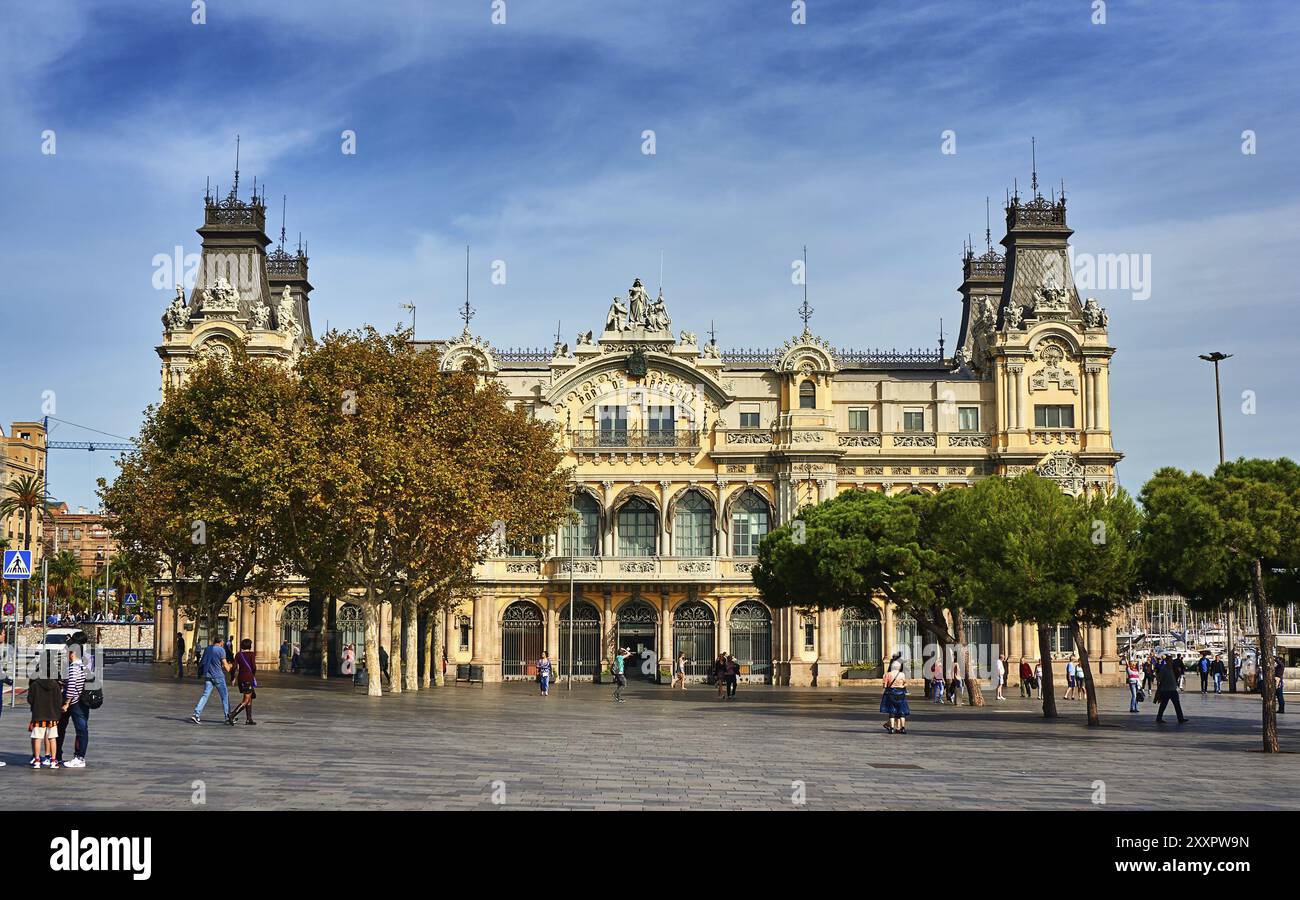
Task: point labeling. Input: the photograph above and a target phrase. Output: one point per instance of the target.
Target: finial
(284, 204)
(557, 335)
(207, 189)
(713, 335)
(1033, 153)
(988, 230)
(941, 337)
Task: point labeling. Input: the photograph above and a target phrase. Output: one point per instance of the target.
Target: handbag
(1142, 696)
(92, 699)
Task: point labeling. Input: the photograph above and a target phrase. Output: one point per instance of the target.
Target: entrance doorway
(637, 629)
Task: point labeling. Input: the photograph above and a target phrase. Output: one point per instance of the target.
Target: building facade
(22, 455)
(85, 535)
(684, 455)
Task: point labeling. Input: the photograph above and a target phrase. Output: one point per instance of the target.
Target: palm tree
(25, 493)
(64, 569)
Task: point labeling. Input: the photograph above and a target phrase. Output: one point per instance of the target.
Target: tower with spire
(241, 295)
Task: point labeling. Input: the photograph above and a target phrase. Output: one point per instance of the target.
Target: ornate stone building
(685, 454)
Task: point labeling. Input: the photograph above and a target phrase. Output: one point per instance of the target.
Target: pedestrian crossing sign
(18, 564)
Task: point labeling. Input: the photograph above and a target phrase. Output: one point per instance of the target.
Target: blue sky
(524, 140)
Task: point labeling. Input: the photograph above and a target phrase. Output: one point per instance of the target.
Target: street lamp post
(1216, 357)
(573, 546)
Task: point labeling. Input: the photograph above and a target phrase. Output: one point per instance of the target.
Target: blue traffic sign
(131, 599)
(17, 565)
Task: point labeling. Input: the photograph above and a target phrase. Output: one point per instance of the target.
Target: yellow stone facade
(685, 454)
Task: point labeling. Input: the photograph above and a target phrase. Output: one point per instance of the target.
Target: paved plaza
(327, 746)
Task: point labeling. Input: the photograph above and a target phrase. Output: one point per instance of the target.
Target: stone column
(553, 628)
(887, 634)
(1019, 375)
(479, 629)
(1029, 638)
(606, 628)
(666, 651)
(1014, 646)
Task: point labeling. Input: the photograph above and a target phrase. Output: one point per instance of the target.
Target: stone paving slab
(326, 746)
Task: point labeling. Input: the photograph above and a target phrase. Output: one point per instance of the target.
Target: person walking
(936, 678)
(616, 667)
(1148, 673)
(1134, 680)
(1279, 677)
(733, 676)
(1203, 667)
(179, 650)
(1218, 671)
(348, 665)
(720, 674)
(544, 674)
(383, 666)
(1167, 692)
(1180, 669)
(955, 682)
(213, 667)
(1026, 679)
(246, 674)
(679, 670)
(286, 650)
(1001, 675)
(74, 712)
(1038, 677)
(893, 702)
(1069, 678)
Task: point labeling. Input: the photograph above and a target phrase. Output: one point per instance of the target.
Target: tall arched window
(749, 523)
(807, 395)
(693, 526)
(583, 538)
(638, 528)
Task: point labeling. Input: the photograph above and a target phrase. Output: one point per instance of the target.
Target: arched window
(807, 395)
(693, 526)
(751, 638)
(749, 523)
(293, 622)
(583, 538)
(638, 528)
(860, 637)
(352, 627)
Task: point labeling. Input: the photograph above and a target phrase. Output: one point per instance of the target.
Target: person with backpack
(616, 667)
(74, 709)
(544, 674)
(213, 667)
(245, 669)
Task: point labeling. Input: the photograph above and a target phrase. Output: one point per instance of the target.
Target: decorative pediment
(806, 353)
(468, 353)
(1052, 354)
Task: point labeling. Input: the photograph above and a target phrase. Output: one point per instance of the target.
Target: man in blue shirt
(213, 667)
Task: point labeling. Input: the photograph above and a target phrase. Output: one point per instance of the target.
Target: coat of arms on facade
(636, 366)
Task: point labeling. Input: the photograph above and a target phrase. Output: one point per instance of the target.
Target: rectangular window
(661, 421)
(1053, 416)
(859, 420)
(463, 626)
(809, 634)
(749, 416)
(968, 418)
(914, 420)
(612, 421)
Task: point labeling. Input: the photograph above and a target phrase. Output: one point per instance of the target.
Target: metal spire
(234, 191)
(988, 230)
(284, 204)
(1033, 154)
(805, 311)
(713, 334)
(467, 312)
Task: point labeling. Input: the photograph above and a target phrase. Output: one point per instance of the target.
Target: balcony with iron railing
(634, 439)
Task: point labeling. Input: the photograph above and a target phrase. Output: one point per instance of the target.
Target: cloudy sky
(524, 140)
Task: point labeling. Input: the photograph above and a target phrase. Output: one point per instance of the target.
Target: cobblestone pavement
(326, 746)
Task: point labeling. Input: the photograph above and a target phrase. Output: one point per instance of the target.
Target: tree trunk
(436, 636)
(426, 673)
(410, 648)
(1228, 641)
(396, 613)
(974, 694)
(1267, 649)
(373, 686)
(1094, 716)
(1045, 654)
(176, 625)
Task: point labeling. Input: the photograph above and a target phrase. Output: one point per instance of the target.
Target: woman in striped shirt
(72, 705)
